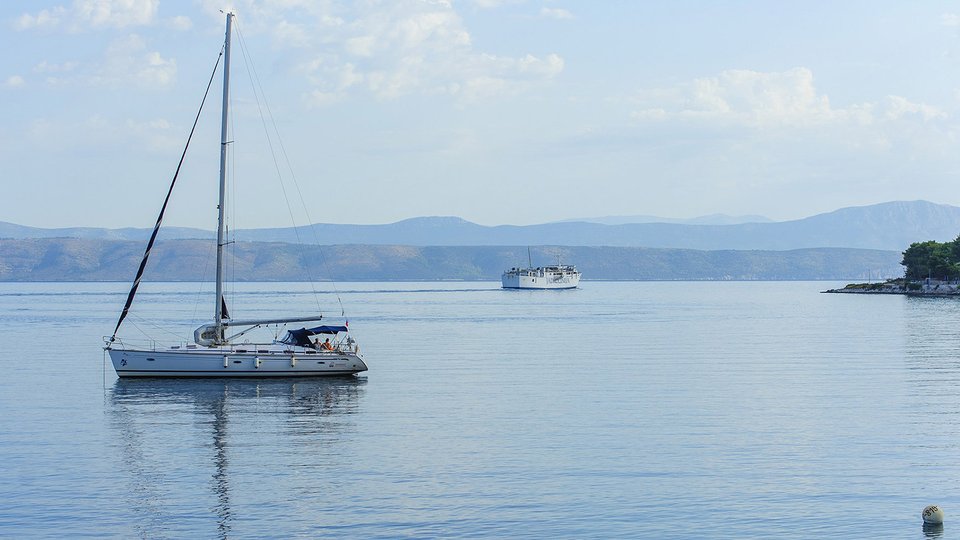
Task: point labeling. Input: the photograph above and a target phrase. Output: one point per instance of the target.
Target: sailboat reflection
(164, 428)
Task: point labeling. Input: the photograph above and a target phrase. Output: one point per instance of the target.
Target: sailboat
(216, 351)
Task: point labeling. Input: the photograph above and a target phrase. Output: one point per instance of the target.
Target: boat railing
(120, 344)
(338, 347)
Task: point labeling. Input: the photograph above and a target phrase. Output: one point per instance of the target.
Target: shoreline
(926, 288)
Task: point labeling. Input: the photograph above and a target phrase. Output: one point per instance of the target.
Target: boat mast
(218, 303)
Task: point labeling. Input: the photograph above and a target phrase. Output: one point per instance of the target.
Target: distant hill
(886, 226)
(712, 219)
(71, 259)
(10, 230)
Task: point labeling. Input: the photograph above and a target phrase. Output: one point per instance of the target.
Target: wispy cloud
(128, 60)
(92, 15)
(44, 19)
(395, 49)
(116, 13)
(46, 67)
(555, 13)
(180, 23)
(384, 49)
(14, 81)
(765, 99)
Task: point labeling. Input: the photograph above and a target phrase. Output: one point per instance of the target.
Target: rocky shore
(927, 287)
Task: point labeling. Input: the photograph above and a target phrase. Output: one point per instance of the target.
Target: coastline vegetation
(878, 286)
(932, 260)
(930, 268)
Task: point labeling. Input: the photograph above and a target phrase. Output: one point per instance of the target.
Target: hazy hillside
(11, 230)
(60, 259)
(712, 219)
(887, 226)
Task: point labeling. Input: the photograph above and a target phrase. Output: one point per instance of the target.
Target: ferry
(542, 277)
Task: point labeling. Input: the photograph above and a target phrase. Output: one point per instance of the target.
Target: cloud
(896, 107)
(950, 19)
(766, 99)
(395, 49)
(127, 60)
(45, 67)
(14, 81)
(340, 79)
(490, 4)
(47, 18)
(550, 66)
(157, 134)
(92, 14)
(96, 130)
(290, 34)
(761, 98)
(116, 13)
(56, 73)
(655, 114)
(555, 13)
(180, 23)
(382, 49)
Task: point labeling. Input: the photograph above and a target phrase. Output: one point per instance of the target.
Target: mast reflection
(156, 419)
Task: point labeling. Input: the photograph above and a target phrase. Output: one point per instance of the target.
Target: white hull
(234, 362)
(541, 278)
(527, 282)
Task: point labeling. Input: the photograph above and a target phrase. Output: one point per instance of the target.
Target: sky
(496, 111)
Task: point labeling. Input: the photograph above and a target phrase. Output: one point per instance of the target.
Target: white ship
(561, 276)
(543, 277)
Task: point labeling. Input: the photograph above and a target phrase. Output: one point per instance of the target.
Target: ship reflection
(149, 415)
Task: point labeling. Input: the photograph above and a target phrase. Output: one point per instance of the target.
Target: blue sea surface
(617, 410)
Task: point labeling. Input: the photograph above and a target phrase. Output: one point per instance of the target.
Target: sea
(617, 410)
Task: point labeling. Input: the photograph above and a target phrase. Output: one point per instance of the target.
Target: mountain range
(712, 219)
(860, 243)
(75, 259)
(885, 226)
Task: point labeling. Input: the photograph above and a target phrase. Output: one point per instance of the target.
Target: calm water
(640, 410)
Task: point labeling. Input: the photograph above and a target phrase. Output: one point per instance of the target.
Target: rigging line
(273, 153)
(134, 319)
(156, 228)
(252, 73)
(203, 280)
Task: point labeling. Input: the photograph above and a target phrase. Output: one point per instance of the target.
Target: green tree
(932, 259)
(942, 261)
(916, 259)
(955, 248)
